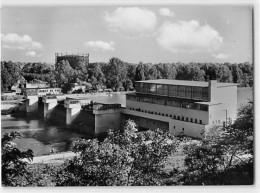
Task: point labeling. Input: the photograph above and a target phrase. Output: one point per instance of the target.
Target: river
(42, 136)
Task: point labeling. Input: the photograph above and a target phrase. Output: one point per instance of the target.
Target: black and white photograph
(158, 93)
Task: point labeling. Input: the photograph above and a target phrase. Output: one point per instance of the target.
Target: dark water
(41, 136)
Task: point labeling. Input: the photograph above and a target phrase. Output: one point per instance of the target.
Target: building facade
(182, 107)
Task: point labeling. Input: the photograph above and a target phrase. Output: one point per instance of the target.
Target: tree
(190, 72)
(14, 167)
(124, 158)
(224, 159)
(65, 76)
(10, 74)
(224, 74)
(237, 74)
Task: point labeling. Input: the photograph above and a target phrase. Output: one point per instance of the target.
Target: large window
(159, 89)
(181, 91)
(145, 87)
(187, 92)
(137, 87)
(205, 93)
(165, 90)
(172, 90)
(153, 88)
(197, 93)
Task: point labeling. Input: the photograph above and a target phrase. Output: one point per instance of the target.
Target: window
(174, 117)
(174, 127)
(191, 119)
(166, 115)
(196, 120)
(200, 121)
(165, 90)
(181, 91)
(159, 89)
(188, 92)
(170, 115)
(178, 117)
(155, 113)
(159, 113)
(187, 119)
(182, 118)
(173, 90)
(145, 111)
(162, 114)
(182, 129)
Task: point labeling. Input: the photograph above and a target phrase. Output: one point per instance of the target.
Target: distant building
(42, 91)
(182, 107)
(73, 59)
(77, 87)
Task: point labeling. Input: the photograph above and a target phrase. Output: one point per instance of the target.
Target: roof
(185, 82)
(208, 103)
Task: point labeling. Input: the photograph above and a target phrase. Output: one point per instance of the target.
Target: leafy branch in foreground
(14, 167)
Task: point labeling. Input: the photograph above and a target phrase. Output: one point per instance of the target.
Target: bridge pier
(32, 105)
(49, 104)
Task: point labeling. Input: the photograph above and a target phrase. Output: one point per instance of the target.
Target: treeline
(117, 74)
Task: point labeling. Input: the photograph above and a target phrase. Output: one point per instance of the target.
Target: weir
(77, 112)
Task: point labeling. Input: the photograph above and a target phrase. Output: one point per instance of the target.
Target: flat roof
(208, 103)
(185, 82)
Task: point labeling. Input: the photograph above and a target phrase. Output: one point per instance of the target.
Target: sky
(151, 34)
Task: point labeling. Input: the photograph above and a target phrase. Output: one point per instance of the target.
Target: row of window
(168, 102)
(52, 90)
(168, 115)
(189, 92)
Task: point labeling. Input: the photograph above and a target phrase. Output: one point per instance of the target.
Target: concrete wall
(187, 128)
(151, 121)
(182, 112)
(72, 113)
(84, 122)
(107, 119)
(227, 96)
(32, 105)
(145, 123)
(49, 108)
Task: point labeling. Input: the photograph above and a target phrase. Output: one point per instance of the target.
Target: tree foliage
(124, 158)
(14, 167)
(226, 158)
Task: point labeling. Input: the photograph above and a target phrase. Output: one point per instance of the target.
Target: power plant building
(182, 107)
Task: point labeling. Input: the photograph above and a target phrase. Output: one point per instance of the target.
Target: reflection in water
(39, 135)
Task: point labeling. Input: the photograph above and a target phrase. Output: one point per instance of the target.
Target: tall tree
(65, 76)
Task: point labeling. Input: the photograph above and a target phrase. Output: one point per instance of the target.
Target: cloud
(132, 21)
(100, 45)
(220, 56)
(16, 42)
(188, 36)
(166, 12)
(31, 53)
